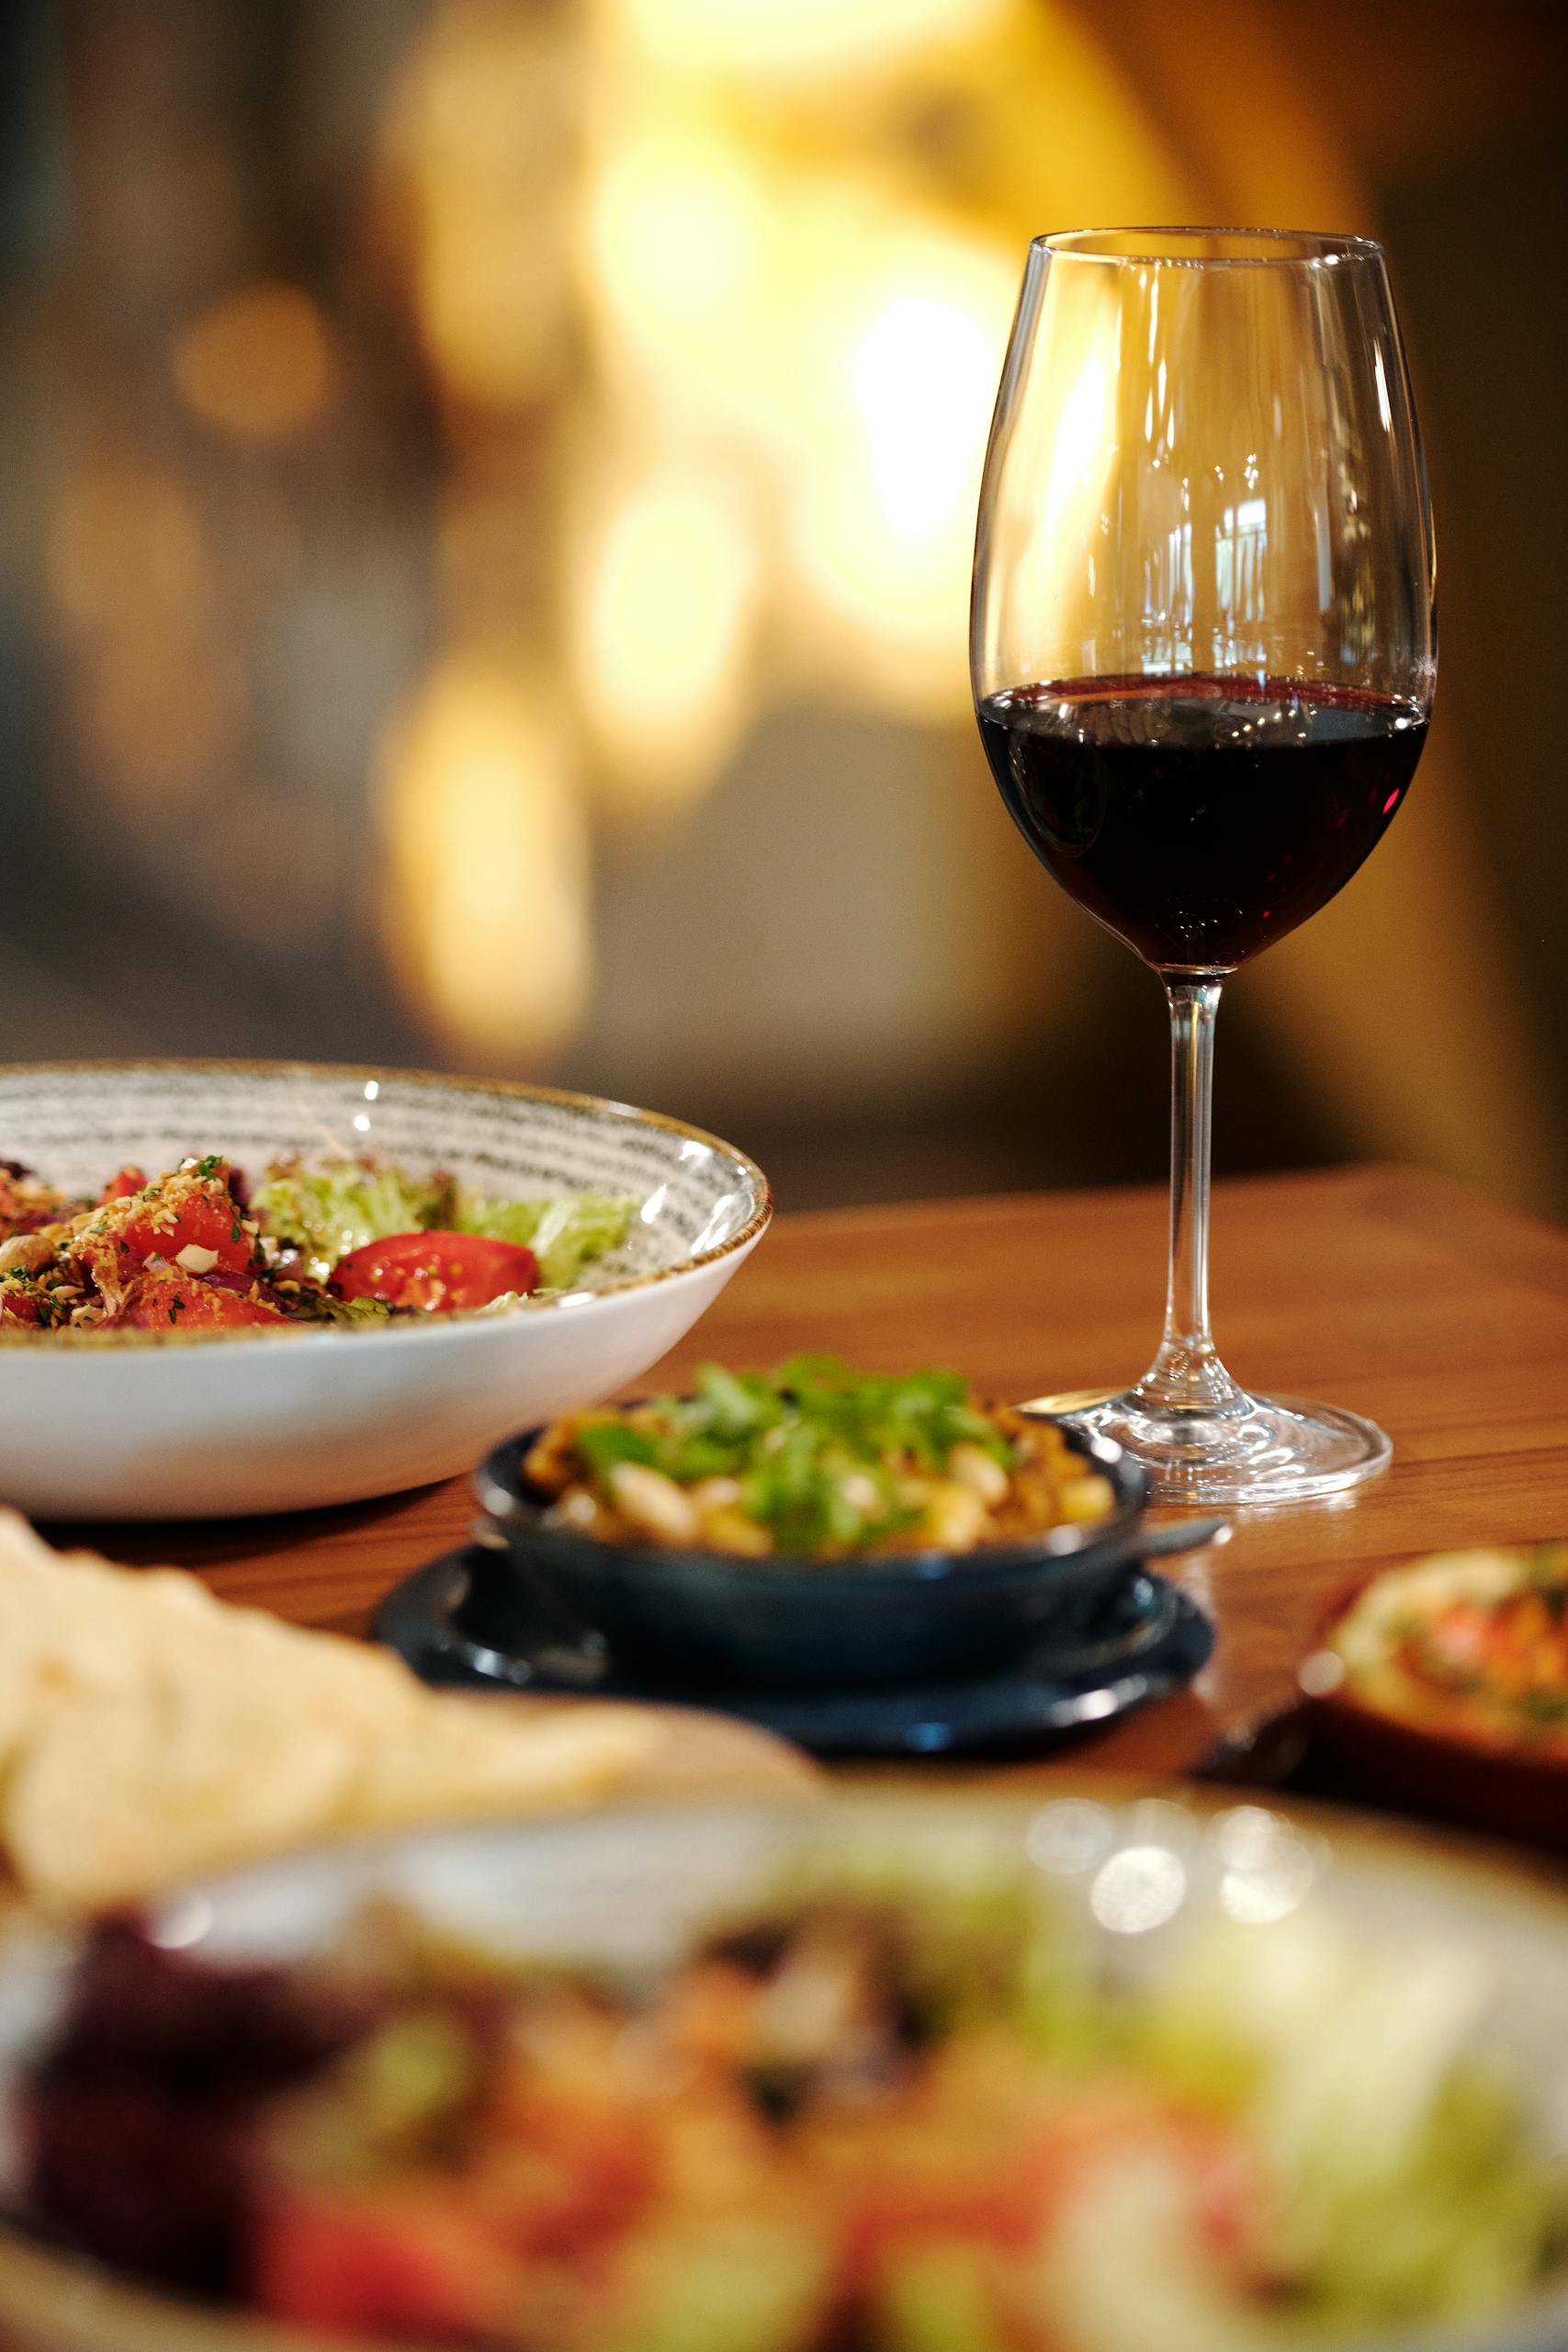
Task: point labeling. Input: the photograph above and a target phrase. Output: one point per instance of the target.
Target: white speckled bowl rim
(749, 1177)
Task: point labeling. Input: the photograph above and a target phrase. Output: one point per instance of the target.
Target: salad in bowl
(230, 1288)
(347, 1238)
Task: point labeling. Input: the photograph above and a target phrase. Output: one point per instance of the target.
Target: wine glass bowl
(1204, 652)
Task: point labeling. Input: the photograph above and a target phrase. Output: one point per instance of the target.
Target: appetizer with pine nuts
(818, 1461)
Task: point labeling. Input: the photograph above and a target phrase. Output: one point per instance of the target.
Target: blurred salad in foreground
(339, 1239)
(866, 2116)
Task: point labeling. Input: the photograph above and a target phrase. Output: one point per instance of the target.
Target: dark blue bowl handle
(1185, 1535)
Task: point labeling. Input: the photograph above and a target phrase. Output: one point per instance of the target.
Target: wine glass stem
(1187, 1373)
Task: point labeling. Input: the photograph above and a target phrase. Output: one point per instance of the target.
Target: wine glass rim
(1162, 247)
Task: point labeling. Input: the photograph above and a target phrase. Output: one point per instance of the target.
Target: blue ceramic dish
(465, 1620)
(701, 1616)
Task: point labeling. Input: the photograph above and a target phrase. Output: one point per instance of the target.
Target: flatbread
(149, 1732)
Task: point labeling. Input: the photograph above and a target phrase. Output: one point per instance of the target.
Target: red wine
(1200, 819)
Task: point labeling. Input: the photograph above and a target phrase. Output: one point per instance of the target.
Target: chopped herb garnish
(822, 1454)
(605, 1443)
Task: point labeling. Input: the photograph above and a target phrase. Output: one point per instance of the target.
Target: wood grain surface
(1386, 1290)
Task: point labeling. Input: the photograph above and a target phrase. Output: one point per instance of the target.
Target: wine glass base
(1262, 1450)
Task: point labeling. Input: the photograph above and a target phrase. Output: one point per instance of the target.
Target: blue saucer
(465, 1619)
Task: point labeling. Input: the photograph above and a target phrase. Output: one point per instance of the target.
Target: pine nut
(974, 1468)
(955, 1517)
(653, 1502)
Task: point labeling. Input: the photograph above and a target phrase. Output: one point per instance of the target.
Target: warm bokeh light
(923, 380)
(122, 524)
(623, 372)
(675, 230)
(909, 333)
(481, 141)
(161, 717)
(661, 655)
(490, 293)
(160, 703)
(486, 914)
(784, 40)
(781, 404)
(257, 365)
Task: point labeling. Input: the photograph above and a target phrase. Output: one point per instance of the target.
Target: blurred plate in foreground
(1140, 2072)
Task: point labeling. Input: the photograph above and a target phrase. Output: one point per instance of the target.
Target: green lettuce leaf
(330, 1207)
(565, 1234)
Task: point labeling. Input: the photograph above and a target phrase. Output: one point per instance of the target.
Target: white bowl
(177, 1425)
(628, 1888)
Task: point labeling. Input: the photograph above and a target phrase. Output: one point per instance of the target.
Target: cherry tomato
(187, 1212)
(440, 1270)
(383, 2266)
(122, 1186)
(161, 1294)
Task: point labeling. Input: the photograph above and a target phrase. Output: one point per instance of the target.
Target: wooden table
(1389, 1291)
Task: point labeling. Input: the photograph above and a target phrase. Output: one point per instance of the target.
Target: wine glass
(1203, 650)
